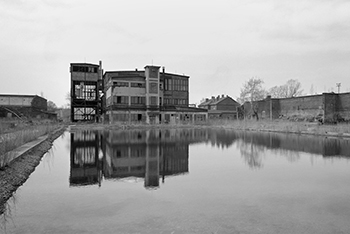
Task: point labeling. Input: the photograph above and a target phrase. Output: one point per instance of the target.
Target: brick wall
(305, 106)
(343, 107)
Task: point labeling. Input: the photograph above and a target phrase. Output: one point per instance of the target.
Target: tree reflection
(251, 154)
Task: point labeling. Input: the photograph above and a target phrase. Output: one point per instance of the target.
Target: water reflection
(85, 163)
(155, 154)
(254, 144)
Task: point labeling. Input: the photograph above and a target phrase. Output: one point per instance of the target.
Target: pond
(185, 181)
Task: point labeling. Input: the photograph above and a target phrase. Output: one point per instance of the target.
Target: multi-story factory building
(148, 96)
(86, 84)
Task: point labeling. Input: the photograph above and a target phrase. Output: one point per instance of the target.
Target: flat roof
(20, 95)
(142, 71)
(85, 64)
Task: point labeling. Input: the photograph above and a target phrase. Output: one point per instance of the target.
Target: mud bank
(18, 171)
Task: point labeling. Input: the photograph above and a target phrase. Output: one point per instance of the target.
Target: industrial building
(86, 89)
(24, 106)
(147, 95)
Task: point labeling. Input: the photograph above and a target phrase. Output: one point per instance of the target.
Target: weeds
(12, 140)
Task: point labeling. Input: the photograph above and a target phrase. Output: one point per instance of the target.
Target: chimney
(135, 69)
(222, 96)
(163, 69)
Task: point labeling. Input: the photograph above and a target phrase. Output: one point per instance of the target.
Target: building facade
(220, 107)
(148, 96)
(86, 91)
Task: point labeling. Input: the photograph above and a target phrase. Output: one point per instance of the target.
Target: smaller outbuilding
(24, 106)
(220, 107)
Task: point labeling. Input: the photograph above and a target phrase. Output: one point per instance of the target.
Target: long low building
(24, 106)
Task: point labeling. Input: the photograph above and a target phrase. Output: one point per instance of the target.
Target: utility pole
(338, 85)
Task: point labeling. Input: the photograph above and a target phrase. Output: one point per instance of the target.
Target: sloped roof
(216, 101)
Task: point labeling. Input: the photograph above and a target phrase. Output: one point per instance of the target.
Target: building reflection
(156, 154)
(149, 154)
(85, 166)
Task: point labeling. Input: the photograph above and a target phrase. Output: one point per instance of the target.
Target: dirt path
(18, 171)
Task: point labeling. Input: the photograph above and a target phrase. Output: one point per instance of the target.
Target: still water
(185, 181)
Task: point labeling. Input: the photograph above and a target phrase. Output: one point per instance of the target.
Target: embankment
(17, 172)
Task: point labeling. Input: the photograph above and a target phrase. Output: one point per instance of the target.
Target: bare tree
(253, 91)
(291, 89)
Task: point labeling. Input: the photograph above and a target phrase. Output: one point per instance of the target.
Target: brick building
(24, 106)
(220, 107)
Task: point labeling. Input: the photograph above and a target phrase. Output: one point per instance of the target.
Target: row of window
(169, 84)
(84, 69)
(175, 101)
(134, 100)
(176, 84)
(132, 84)
(137, 100)
(86, 92)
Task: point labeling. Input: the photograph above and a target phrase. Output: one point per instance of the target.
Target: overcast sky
(219, 44)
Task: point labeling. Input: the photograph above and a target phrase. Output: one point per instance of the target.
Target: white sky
(219, 44)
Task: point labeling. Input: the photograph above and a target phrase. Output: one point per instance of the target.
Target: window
(121, 84)
(84, 69)
(87, 92)
(153, 101)
(153, 87)
(138, 100)
(170, 84)
(121, 100)
(138, 85)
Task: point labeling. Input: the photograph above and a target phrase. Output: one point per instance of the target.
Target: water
(186, 181)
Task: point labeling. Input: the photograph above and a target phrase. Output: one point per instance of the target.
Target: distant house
(220, 107)
(24, 106)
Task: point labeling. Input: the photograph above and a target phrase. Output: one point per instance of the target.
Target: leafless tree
(253, 91)
(291, 89)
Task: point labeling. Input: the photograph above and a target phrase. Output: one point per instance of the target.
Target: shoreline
(16, 173)
(305, 128)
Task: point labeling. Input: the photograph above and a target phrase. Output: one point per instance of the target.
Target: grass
(13, 136)
(253, 125)
(283, 126)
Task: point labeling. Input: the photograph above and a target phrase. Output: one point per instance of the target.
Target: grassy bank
(247, 125)
(14, 135)
(284, 126)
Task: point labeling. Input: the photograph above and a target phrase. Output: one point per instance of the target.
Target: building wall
(332, 106)
(39, 102)
(16, 101)
(302, 106)
(343, 107)
(227, 104)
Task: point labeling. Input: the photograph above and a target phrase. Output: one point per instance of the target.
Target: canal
(185, 181)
